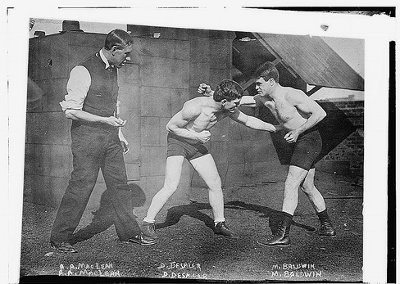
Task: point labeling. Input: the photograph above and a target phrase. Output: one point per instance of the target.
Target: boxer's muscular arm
(205, 90)
(306, 105)
(252, 122)
(177, 123)
(248, 101)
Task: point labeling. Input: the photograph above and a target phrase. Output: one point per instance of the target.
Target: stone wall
(348, 157)
(48, 159)
(165, 72)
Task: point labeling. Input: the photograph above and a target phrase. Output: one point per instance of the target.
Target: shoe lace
(151, 227)
(220, 225)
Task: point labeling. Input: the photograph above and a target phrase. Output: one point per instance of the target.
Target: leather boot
(326, 228)
(274, 220)
(221, 229)
(281, 236)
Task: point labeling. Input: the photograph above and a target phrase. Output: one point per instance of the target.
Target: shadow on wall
(34, 96)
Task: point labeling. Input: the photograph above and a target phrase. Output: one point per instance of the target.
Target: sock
(218, 221)
(149, 220)
(287, 214)
(323, 214)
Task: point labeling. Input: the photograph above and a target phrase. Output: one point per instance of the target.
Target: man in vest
(91, 104)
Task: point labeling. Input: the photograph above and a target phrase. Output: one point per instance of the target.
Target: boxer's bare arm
(248, 101)
(252, 122)
(205, 90)
(306, 105)
(178, 122)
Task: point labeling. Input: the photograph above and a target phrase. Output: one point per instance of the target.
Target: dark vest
(102, 95)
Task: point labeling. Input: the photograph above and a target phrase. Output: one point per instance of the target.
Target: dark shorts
(306, 149)
(178, 146)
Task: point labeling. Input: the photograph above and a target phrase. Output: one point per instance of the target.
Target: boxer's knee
(215, 184)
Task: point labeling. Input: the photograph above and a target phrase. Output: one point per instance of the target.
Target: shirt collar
(104, 59)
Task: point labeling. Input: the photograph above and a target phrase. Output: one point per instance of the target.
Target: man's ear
(223, 102)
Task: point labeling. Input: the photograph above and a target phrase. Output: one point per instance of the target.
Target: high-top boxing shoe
(326, 228)
(281, 235)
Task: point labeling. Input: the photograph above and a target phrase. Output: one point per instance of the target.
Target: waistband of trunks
(183, 140)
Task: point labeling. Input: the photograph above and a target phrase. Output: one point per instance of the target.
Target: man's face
(263, 87)
(231, 106)
(119, 56)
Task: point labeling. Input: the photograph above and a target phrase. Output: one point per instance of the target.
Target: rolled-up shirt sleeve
(77, 87)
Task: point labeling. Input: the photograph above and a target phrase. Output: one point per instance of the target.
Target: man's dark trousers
(94, 148)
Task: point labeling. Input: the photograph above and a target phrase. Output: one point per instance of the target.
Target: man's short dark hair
(118, 38)
(228, 90)
(267, 71)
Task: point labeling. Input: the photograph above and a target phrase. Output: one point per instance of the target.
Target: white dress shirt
(78, 86)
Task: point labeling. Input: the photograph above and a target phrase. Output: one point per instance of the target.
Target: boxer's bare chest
(280, 108)
(207, 119)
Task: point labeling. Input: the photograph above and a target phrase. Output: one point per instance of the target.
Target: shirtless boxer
(298, 115)
(188, 130)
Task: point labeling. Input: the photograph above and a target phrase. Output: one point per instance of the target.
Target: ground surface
(188, 248)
